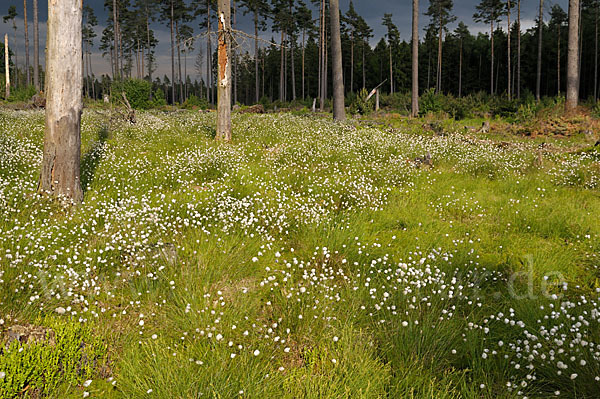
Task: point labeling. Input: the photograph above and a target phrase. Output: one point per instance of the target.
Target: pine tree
(439, 12)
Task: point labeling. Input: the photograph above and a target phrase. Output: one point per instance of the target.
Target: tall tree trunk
(573, 57)
(91, 72)
(172, 55)
(115, 40)
(256, 77)
(415, 59)
(6, 68)
(181, 99)
(224, 72)
(36, 47)
(519, 49)
(16, 66)
(596, 53)
(364, 71)
(323, 72)
(539, 55)
(60, 173)
(208, 56)
(293, 70)
(303, 49)
(281, 71)
(492, 63)
(234, 56)
(86, 67)
(438, 85)
(558, 63)
(509, 54)
(391, 70)
(460, 63)
(339, 112)
(27, 74)
(351, 61)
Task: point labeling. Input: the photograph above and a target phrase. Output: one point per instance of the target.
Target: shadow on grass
(91, 159)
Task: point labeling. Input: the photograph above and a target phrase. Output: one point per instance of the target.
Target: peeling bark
(224, 72)
(60, 174)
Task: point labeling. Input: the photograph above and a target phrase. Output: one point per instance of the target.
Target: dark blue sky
(371, 10)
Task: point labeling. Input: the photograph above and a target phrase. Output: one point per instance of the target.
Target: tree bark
(509, 54)
(492, 63)
(172, 56)
(558, 63)
(339, 111)
(256, 77)
(539, 55)
(303, 50)
(116, 39)
(519, 49)
(596, 53)
(6, 68)
(224, 72)
(208, 55)
(26, 43)
(415, 59)
(36, 47)
(460, 62)
(178, 40)
(60, 175)
(573, 57)
(439, 60)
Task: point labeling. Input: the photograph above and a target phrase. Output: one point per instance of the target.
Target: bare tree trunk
(149, 49)
(36, 47)
(91, 72)
(303, 49)
(438, 84)
(26, 44)
(181, 99)
(391, 70)
(460, 63)
(351, 61)
(116, 39)
(596, 54)
(234, 56)
(322, 81)
(208, 56)
(256, 77)
(492, 63)
(539, 60)
(558, 63)
(509, 55)
(60, 175)
(224, 72)
(6, 68)
(573, 57)
(339, 112)
(518, 48)
(415, 59)
(364, 73)
(172, 56)
(281, 72)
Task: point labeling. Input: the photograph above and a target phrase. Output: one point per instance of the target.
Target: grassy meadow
(306, 259)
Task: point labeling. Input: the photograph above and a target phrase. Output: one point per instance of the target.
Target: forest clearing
(304, 259)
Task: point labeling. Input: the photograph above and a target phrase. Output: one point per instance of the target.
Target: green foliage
(136, 90)
(361, 105)
(22, 93)
(41, 368)
(430, 103)
(195, 102)
(158, 98)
